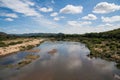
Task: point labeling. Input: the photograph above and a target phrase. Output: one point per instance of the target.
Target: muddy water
(68, 62)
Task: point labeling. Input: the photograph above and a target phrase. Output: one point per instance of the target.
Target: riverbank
(108, 49)
(12, 46)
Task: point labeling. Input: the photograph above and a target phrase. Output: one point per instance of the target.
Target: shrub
(2, 44)
(13, 43)
(29, 46)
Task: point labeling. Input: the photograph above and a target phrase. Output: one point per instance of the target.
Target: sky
(59, 16)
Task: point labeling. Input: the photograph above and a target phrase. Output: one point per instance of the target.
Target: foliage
(2, 44)
(14, 43)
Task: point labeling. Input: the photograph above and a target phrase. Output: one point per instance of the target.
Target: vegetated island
(105, 45)
(11, 44)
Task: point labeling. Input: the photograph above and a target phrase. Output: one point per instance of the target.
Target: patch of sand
(17, 47)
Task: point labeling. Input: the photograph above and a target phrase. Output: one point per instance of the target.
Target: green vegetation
(106, 49)
(4, 36)
(23, 63)
(30, 46)
(105, 45)
(26, 47)
(4, 44)
(22, 48)
(118, 65)
(27, 60)
(14, 43)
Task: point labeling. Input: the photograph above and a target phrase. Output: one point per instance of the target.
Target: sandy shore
(15, 48)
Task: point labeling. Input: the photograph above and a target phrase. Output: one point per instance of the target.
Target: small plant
(2, 44)
(14, 43)
(30, 46)
(118, 65)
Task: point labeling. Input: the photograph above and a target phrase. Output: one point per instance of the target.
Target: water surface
(68, 63)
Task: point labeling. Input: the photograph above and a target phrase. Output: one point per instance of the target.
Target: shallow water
(68, 63)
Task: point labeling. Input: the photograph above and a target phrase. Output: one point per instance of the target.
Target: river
(69, 62)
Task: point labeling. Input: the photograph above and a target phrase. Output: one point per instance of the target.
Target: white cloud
(89, 17)
(8, 19)
(11, 15)
(42, 21)
(105, 7)
(111, 19)
(44, 9)
(89, 28)
(29, 3)
(78, 23)
(54, 14)
(20, 6)
(62, 17)
(56, 19)
(71, 9)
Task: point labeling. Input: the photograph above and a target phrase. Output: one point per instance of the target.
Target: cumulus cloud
(56, 19)
(89, 17)
(11, 15)
(111, 19)
(44, 9)
(71, 9)
(8, 19)
(20, 6)
(54, 14)
(105, 7)
(78, 23)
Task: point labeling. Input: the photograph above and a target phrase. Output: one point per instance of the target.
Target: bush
(2, 44)
(13, 43)
(30, 46)
(118, 65)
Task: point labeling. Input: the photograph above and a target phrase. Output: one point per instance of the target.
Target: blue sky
(55, 16)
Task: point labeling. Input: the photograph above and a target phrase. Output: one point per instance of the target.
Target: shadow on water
(59, 61)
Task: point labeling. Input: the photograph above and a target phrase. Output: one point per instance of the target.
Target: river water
(69, 62)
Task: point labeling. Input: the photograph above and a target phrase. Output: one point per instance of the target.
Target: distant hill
(114, 33)
(5, 36)
(109, 34)
(40, 34)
